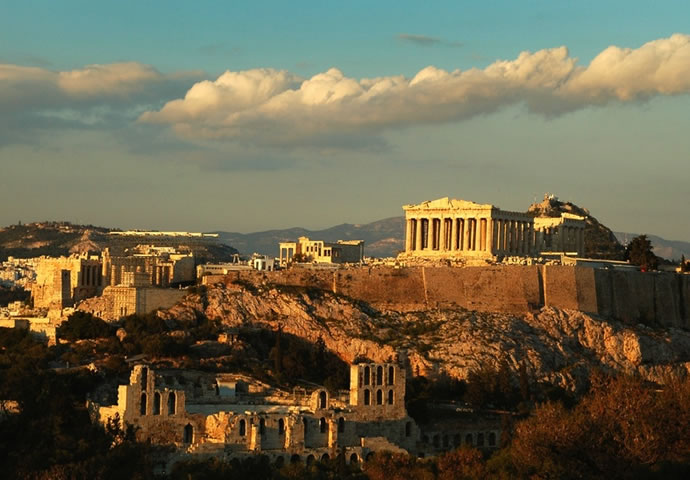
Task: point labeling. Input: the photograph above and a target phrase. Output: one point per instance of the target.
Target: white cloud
(266, 106)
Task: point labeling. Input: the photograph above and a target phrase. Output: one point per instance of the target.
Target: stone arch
(456, 439)
(171, 403)
(367, 397)
(156, 403)
(142, 404)
(367, 375)
(325, 457)
(144, 377)
(480, 439)
(354, 458)
(391, 375)
(323, 426)
(390, 397)
(468, 439)
(341, 425)
(492, 439)
(295, 458)
(310, 459)
(281, 427)
(243, 427)
(379, 375)
(379, 397)
(188, 434)
(369, 456)
(322, 399)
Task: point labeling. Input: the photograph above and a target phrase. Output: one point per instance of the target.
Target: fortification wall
(630, 296)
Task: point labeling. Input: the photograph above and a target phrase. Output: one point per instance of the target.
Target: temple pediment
(447, 203)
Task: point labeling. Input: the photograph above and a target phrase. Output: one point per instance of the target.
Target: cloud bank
(37, 98)
(276, 107)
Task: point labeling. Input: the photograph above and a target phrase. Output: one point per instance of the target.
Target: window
(156, 403)
(367, 373)
(367, 397)
(281, 427)
(142, 409)
(341, 425)
(171, 403)
(390, 397)
(480, 439)
(468, 439)
(322, 399)
(322, 425)
(305, 422)
(379, 397)
(243, 428)
(262, 426)
(379, 375)
(492, 439)
(391, 375)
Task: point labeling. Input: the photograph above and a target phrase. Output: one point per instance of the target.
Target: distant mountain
(668, 249)
(63, 238)
(383, 238)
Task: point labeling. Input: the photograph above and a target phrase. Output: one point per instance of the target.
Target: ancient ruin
(458, 229)
(318, 251)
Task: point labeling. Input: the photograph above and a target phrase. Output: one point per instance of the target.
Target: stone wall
(627, 295)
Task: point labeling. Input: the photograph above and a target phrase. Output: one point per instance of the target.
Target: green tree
(82, 325)
(639, 252)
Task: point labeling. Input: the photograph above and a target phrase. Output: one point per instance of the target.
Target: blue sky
(332, 113)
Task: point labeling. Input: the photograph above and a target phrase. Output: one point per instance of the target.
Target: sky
(249, 116)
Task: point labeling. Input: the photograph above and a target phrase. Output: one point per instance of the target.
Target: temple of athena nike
(462, 230)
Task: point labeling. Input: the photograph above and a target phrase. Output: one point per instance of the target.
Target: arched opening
(369, 456)
(310, 459)
(322, 425)
(425, 439)
(171, 403)
(379, 397)
(391, 375)
(280, 461)
(367, 397)
(390, 397)
(188, 435)
(262, 426)
(379, 375)
(367, 373)
(144, 377)
(492, 439)
(408, 429)
(322, 399)
(341, 425)
(354, 458)
(468, 439)
(325, 457)
(295, 458)
(142, 404)
(305, 422)
(456, 440)
(480, 439)
(281, 427)
(243, 428)
(156, 403)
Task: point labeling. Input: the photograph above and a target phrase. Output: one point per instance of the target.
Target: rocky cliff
(558, 346)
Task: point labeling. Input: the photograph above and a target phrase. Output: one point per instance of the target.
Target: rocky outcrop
(558, 346)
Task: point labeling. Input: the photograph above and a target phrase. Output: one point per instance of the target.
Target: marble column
(491, 228)
(408, 234)
(418, 234)
(454, 234)
(442, 245)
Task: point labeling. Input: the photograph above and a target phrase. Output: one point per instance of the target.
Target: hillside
(600, 242)
(63, 238)
(558, 346)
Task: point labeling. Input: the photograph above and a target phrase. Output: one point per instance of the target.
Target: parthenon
(460, 229)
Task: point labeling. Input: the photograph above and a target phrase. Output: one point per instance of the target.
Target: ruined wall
(627, 295)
